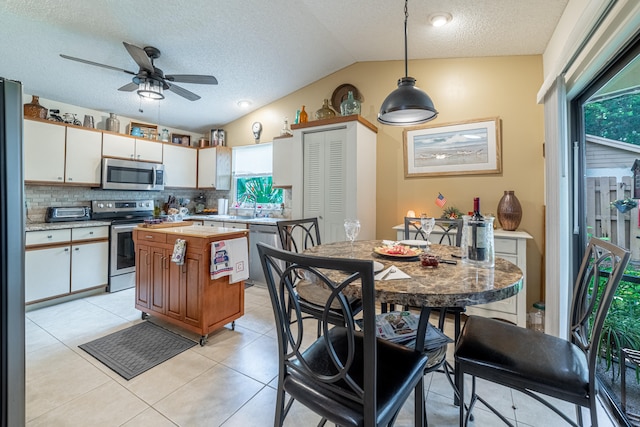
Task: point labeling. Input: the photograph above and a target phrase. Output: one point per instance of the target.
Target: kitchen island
(185, 295)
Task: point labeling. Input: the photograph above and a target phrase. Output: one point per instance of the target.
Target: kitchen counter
(235, 218)
(43, 226)
(193, 231)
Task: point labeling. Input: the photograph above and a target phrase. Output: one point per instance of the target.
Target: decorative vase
(350, 105)
(34, 110)
(325, 112)
(113, 124)
(304, 117)
(509, 211)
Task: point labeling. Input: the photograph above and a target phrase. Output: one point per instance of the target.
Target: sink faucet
(255, 203)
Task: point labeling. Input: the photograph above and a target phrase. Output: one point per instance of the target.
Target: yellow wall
(461, 89)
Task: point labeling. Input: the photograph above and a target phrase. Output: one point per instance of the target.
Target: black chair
(296, 236)
(348, 377)
(451, 230)
(532, 362)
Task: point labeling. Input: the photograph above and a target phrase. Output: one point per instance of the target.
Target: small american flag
(440, 200)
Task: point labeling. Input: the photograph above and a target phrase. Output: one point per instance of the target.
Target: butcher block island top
(185, 295)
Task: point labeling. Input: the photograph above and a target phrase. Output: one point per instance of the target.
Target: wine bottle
(478, 249)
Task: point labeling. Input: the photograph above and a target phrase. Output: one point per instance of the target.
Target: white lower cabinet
(46, 272)
(64, 261)
(89, 265)
(512, 246)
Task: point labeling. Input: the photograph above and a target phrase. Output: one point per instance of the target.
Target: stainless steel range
(124, 215)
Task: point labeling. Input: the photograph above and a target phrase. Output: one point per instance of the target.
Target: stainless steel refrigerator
(12, 352)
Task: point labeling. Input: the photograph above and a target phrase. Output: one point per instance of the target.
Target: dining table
(453, 283)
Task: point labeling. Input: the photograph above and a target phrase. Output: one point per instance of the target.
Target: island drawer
(152, 237)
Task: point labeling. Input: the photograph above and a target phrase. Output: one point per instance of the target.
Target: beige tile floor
(228, 382)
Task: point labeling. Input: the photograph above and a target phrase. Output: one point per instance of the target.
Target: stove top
(121, 209)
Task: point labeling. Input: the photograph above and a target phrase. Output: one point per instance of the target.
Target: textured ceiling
(258, 50)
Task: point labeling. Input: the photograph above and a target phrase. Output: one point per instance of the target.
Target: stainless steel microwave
(131, 175)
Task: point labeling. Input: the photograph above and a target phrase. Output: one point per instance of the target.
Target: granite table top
(447, 285)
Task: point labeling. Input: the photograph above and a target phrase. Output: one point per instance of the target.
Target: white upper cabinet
(83, 156)
(125, 147)
(214, 168)
(44, 145)
(61, 154)
(180, 166)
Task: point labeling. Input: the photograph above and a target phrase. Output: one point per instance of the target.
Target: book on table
(401, 327)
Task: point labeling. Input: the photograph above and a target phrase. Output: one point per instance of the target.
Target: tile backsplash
(39, 197)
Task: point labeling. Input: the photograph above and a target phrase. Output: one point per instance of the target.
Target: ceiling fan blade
(192, 78)
(140, 56)
(183, 92)
(129, 87)
(84, 61)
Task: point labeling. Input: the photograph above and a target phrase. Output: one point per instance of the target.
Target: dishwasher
(260, 233)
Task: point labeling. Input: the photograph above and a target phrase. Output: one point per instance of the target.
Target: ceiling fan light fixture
(150, 89)
(407, 105)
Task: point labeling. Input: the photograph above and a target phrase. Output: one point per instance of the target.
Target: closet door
(324, 177)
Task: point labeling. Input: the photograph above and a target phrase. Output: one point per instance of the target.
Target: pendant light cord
(406, 17)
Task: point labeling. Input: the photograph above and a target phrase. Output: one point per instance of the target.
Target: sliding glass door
(606, 174)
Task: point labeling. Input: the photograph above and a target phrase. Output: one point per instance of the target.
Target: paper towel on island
(230, 258)
(179, 249)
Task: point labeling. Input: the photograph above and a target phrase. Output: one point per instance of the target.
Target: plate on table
(377, 266)
(416, 243)
(397, 251)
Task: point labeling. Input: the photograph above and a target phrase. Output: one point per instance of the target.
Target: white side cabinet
(337, 177)
(180, 166)
(282, 175)
(512, 246)
(61, 262)
(214, 168)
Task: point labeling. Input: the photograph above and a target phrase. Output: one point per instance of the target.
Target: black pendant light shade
(407, 105)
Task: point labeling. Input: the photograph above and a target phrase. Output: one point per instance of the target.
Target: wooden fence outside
(604, 220)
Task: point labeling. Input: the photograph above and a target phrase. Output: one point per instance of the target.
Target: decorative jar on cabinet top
(509, 211)
(34, 110)
(113, 124)
(325, 112)
(350, 105)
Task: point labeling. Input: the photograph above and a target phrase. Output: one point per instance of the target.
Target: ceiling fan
(150, 81)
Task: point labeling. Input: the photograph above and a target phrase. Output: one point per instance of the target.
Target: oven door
(122, 257)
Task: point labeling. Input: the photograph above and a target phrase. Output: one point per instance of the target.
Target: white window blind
(252, 160)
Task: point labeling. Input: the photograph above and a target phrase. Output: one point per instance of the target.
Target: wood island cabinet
(185, 294)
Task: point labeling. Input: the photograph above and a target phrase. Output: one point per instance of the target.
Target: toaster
(74, 213)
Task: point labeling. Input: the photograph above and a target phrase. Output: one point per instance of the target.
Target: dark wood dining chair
(451, 230)
(346, 376)
(296, 236)
(538, 364)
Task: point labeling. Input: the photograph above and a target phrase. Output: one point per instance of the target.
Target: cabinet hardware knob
(91, 232)
(148, 237)
(49, 236)
(70, 179)
(59, 178)
(66, 249)
(77, 249)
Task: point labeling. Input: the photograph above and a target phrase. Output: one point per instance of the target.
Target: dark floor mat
(134, 350)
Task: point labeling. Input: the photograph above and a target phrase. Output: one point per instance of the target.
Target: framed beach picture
(467, 148)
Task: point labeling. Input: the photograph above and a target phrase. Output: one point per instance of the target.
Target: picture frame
(177, 138)
(472, 147)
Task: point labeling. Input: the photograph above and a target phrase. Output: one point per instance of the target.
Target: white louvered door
(324, 172)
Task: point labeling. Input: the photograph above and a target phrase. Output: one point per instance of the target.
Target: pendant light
(407, 105)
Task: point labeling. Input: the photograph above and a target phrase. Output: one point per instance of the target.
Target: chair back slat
(600, 273)
(343, 277)
(451, 230)
(299, 235)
